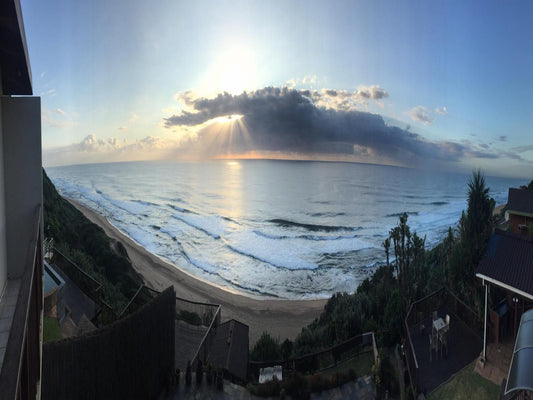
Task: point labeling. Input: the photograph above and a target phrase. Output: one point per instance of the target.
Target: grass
(467, 385)
(361, 364)
(51, 329)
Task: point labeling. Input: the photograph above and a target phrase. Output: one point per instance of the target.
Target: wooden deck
(464, 346)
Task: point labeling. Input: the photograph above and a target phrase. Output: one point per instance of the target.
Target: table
(439, 324)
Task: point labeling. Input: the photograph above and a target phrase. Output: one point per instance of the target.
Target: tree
(409, 262)
(530, 186)
(475, 230)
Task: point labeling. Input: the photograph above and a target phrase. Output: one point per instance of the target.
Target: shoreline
(281, 318)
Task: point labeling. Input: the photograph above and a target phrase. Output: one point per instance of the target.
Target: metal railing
(204, 315)
(207, 341)
(321, 360)
(21, 369)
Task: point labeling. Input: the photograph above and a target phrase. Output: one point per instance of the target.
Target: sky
(426, 84)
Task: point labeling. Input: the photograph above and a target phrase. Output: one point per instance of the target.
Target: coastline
(281, 318)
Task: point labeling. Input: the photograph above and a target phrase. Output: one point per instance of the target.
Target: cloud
(92, 149)
(324, 122)
(306, 80)
(441, 110)
(421, 114)
(134, 117)
(503, 138)
(123, 128)
(372, 92)
(523, 149)
(57, 118)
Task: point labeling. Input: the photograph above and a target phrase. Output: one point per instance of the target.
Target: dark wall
(128, 359)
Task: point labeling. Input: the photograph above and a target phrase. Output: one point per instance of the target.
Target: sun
(225, 119)
(233, 71)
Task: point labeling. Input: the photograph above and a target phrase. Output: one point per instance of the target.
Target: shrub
(317, 383)
(297, 386)
(266, 349)
(190, 317)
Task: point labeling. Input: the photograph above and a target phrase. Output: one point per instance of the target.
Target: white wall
(22, 171)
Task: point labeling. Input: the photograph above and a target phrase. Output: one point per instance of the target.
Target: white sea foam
(296, 253)
(212, 225)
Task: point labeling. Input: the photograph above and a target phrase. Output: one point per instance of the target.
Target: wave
(400, 214)
(180, 209)
(306, 237)
(131, 206)
(203, 265)
(272, 261)
(328, 214)
(210, 225)
(293, 254)
(311, 227)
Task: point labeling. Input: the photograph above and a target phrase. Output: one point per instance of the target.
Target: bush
(268, 389)
(317, 383)
(266, 349)
(190, 317)
(297, 386)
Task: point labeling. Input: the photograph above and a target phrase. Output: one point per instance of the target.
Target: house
(21, 297)
(506, 271)
(520, 210)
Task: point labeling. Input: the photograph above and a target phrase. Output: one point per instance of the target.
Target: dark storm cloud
(289, 120)
(503, 138)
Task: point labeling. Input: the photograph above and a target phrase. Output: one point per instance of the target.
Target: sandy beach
(282, 318)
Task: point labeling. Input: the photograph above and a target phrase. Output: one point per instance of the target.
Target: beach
(281, 318)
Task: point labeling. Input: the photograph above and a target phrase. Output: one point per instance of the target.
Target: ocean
(268, 228)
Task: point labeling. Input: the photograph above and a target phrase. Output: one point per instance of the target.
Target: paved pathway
(498, 361)
(361, 389)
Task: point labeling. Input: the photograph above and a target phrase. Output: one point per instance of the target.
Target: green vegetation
(380, 303)
(467, 385)
(51, 330)
(89, 247)
(190, 317)
(361, 365)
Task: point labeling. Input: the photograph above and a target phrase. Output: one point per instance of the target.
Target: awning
(521, 370)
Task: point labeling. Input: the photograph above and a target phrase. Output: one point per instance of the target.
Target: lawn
(467, 385)
(51, 329)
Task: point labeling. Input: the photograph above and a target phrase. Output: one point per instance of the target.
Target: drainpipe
(485, 326)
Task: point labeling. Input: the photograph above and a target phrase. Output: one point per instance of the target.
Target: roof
(14, 61)
(520, 201)
(521, 370)
(508, 263)
(230, 348)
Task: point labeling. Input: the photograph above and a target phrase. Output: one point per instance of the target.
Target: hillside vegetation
(89, 247)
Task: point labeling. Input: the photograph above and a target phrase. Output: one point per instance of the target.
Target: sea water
(287, 229)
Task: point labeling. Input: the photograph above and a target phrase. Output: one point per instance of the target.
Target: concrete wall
(22, 175)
